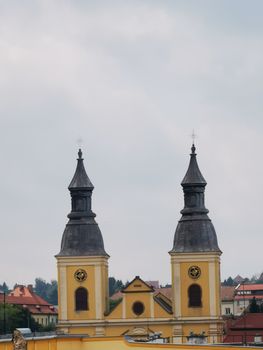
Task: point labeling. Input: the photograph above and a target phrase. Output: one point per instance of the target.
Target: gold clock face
(194, 272)
(80, 275)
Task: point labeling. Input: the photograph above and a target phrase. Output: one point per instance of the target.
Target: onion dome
(195, 231)
(82, 236)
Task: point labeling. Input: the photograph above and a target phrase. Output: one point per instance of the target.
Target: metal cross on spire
(79, 142)
(194, 136)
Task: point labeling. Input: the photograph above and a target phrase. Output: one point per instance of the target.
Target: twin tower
(192, 308)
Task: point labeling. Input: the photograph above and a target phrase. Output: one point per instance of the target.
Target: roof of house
(248, 321)
(26, 297)
(250, 286)
(248, 296)
(227, 293)
(166, 291)
(154, 284)
(238, 279)
(247, 325)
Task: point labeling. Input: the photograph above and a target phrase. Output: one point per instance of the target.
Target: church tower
(82, 263)
(195, 264)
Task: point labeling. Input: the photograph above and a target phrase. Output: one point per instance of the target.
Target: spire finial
(193, 136)
(80, 153)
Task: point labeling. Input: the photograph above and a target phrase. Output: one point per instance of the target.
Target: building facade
(194, 307)
(43, 312)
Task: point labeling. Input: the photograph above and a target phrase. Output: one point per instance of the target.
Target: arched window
(81, 299)
(195, 296)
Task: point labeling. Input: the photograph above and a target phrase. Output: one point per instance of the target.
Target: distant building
(246, 329)
(238, 279)
(244, 294)
(227, 300)
(42, 312)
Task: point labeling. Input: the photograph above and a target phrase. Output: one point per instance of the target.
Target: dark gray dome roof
(82, 236)
(195, 235)
(82, 239)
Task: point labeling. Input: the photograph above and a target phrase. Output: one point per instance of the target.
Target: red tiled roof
(166, 291)
(154, 284)
(248, 296)
(247, 325)
(227, 293)
(247, 321)
(251, 286)
(116, 296)
(25, 296)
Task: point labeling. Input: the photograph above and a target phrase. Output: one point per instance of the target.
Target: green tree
(15, 317)
(114, 285)
(229, 281)
(52, 292)
(4, 288)
(41, 287)
(48, 291)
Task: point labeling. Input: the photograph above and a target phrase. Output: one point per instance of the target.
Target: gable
(137, 285)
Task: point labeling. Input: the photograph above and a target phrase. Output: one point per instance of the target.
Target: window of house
(81, 299)
(194, 296)
(227, 311)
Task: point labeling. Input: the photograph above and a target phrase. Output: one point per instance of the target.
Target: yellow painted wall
(143, 298)
(72, 285)
(160, 312)
(116, 312)
(106, 343)
(202, 281)
(218, 288)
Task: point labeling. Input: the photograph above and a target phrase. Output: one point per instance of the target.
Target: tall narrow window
(195, 296)
(81, 299)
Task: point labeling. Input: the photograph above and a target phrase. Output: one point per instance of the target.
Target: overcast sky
(132, 79)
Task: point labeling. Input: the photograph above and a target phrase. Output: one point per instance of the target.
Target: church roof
(193, 175)
(80, 178)
(82, 235)
(195, 231)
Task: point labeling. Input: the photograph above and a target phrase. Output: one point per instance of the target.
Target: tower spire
(195, 231)
(80, 178)
(82, 235)
(193, 175)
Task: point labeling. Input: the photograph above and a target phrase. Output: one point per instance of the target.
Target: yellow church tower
(195, 264)
(82, 264)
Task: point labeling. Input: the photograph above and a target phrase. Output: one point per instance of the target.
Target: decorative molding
(63, 292)
(195, 257)
(151, 306)
(98, 290)
(82, 261)
(177, 289)
(212, 289)
(124, 306)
